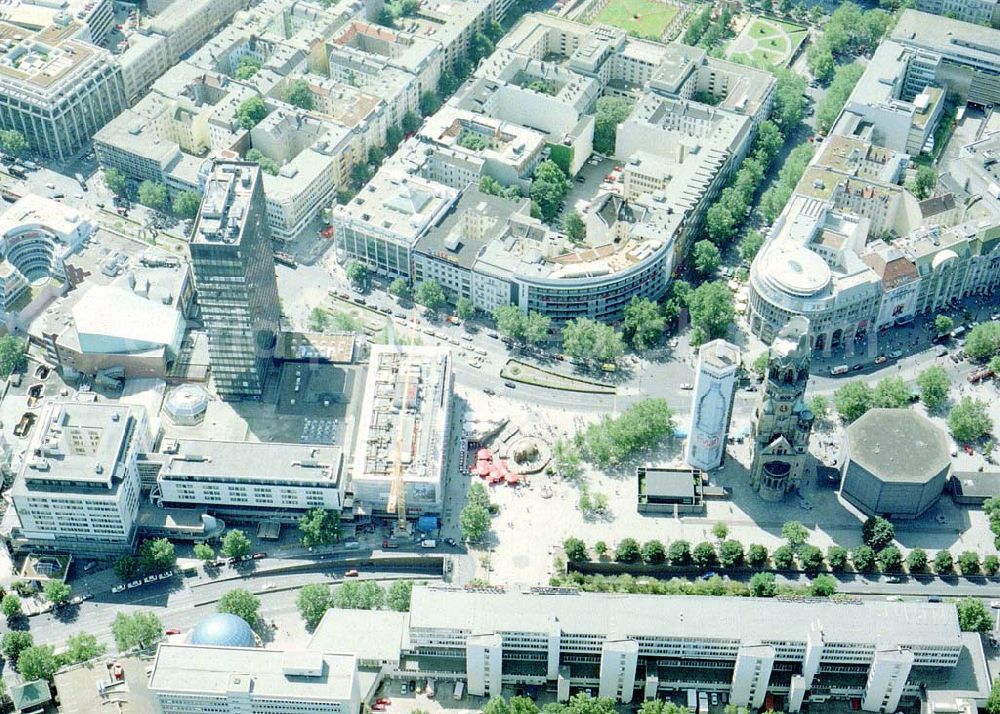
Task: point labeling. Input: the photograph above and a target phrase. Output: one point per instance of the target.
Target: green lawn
(642, 18)
(769, 40)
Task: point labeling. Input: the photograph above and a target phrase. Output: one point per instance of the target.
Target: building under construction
(402, 430)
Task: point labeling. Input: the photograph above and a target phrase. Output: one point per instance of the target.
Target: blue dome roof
(223, 630)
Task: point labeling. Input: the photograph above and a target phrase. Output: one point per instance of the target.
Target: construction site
(399, 455)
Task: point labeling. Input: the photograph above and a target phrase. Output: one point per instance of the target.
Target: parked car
(896, 354)
(352, 573)
(450, 541)
(259, 556)
(389, 545)
(172, 631)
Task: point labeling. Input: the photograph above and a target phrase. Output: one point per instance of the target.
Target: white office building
(484, 664)
(55, 89)
(751, 675)
(616, 643)
(712, 403)
(887, 679)
(244, 680)
(77, 486)
(619, 659)
(249, 480)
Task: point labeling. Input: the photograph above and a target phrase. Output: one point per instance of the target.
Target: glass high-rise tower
(233, 264)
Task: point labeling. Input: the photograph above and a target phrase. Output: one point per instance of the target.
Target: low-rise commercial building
(187, 677)
(249, 481)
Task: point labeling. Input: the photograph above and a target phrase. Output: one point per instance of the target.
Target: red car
(378, 707)
(351, 573)
(172, 631)
(383, 700)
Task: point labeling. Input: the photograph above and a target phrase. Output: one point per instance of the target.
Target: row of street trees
(314, 600)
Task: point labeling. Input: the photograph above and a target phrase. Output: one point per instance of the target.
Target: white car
(687, 386)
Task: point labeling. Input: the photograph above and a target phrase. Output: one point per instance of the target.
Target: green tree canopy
(13, 643)
(359, 595)
(475, 522)
(401, 289)
(943, 324)
(464, 308)
(863, 558)
(157, 555)
(878, 532)
(430, 294)
(757, 556)
(38, 662)
(241, 603)
(313, 601)
(13, 355)
(56, 591)
(891, 393)
(794, 533)
(640, 426)
(153, 194)
(763, 585)
(186, 204)
(13, 142)
(247, 67)
(299, 94)
(643, 323)
(837, 557)
(823, 586)
(235, 544)
(10, 606)
(608, 114)
(983, 342)
(590, 342)
(575, 549)
(934, 384)
(924, 182)
(853, 399)
(251, 112)
(944, 563)
(711, 309)
(82, 647)
(969, 420)
(973, 615)
(319, 527)
(844, 79)
(653, 552)
(266, 163)
(706, 257)
(916, 561)
(398, 596)
(679, 552)
(203, 551)
(115, 181)
(576, 229)
(137, 630)
(628, 551)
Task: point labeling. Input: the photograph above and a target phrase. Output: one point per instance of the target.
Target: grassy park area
(767, 41)
(642, 18)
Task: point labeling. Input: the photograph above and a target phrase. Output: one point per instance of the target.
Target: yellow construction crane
(397, 491)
